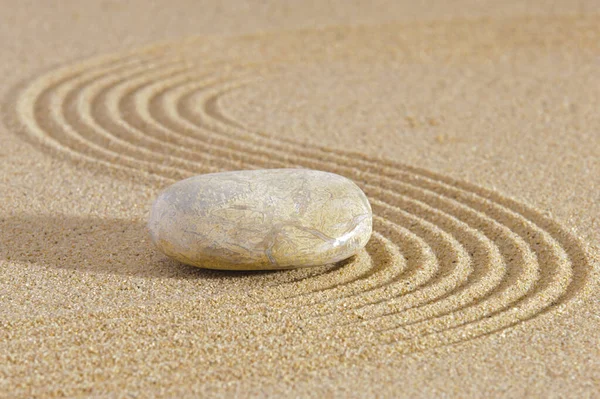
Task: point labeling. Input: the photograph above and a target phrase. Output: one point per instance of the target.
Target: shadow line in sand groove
(449, 261)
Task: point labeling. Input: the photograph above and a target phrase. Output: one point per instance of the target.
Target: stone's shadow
(97, 245)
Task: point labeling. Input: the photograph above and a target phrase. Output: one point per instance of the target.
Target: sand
(473, 127)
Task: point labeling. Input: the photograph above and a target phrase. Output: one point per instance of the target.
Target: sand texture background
(472, 126)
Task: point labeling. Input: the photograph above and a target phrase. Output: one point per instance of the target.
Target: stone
(261, 219)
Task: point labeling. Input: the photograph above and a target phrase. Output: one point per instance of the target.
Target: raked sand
(472, 127)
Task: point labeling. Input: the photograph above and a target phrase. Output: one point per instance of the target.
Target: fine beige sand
(473, 127)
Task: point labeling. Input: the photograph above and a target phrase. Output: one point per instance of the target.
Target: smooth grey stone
(261, 219)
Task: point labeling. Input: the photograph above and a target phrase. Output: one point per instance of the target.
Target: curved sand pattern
(448, 262)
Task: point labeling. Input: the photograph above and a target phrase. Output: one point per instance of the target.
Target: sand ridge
(449, 261)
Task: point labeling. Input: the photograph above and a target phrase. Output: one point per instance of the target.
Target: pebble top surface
(261, 219)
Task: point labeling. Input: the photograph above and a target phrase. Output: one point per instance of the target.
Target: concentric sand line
(448, 261)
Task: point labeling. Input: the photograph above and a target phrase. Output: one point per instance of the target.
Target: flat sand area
(472, 126)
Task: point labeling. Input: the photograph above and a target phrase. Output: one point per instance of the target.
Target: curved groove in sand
(546, 288)
(448, 261)
(92, 96)
(63, 141)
